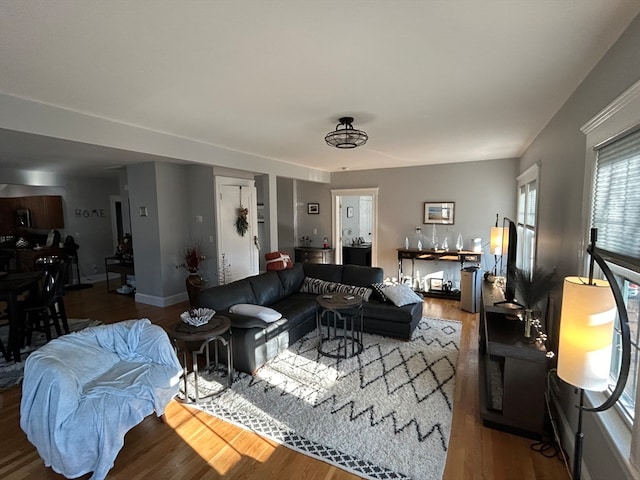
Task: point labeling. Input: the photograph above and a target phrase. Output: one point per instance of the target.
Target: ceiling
(429, 81)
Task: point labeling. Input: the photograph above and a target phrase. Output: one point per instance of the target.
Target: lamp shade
(586, 333)
(497, 234)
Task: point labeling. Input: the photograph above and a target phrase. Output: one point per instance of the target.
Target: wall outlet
(315, 231)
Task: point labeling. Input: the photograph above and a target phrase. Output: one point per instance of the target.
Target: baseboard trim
(161, 301)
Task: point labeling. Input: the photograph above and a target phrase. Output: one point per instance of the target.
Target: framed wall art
(441, 213)
(313, 208)
(349, 212)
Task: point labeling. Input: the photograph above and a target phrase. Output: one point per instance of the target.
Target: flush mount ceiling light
(345, 136)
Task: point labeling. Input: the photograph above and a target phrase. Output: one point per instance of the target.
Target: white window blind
(616, 199)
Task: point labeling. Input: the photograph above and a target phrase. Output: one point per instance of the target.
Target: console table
(414, 254)
(512, 369)
(314, 255)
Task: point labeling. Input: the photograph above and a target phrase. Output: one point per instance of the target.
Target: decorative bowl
(197, 316)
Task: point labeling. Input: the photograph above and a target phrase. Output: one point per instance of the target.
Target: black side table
(196, 340)
(343, 318)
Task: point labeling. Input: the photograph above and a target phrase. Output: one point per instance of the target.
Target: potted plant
(532, 288)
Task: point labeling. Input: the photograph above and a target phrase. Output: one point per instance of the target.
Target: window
(526, 218)
(612, 203)
(615, 213)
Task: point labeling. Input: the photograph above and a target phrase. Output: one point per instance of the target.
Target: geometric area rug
(11, 373)
(383, 414)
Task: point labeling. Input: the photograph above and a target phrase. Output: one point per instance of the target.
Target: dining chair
(46, 309)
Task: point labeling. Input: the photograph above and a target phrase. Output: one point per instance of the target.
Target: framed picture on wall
(441, 213)
(260, 213)
(349, 212)
(313, 208)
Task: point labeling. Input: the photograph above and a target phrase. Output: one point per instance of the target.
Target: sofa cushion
(267, 288)
(291, 279)
(317, 286)
(297, 307)
(323, 271)
(361, 276)
(388, 312)
(265, 314)
(221, 297)
(401, 295)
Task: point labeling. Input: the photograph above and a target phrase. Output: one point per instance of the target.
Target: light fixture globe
(345, 136)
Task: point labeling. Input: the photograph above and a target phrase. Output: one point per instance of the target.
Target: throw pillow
(315, 285)
(265, 314)
(278, 261)
(364, 292)
(401, 295)
(378, 291)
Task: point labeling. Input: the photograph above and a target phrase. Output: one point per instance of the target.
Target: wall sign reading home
(439, 212)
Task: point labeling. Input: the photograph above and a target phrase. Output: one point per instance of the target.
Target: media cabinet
(512, 369)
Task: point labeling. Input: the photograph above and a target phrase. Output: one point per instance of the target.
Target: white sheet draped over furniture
(82, 392)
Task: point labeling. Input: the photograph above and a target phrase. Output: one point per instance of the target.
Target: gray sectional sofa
(256, 341)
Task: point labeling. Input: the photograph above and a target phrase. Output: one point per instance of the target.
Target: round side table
(342, 316)
(197, 340)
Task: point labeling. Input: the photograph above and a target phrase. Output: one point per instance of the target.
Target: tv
(508, 262)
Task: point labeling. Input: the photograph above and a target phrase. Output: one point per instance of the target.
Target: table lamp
(589, 308)
(495, 244)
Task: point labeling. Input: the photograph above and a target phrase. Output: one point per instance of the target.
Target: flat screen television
(508, 261)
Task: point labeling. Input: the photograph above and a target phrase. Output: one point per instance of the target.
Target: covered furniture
(255, 340)
(82, 392)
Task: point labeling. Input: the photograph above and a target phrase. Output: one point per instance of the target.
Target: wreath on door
(242, 224)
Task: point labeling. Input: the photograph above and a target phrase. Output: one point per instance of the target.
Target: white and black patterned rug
(11, 373)
(384, 414)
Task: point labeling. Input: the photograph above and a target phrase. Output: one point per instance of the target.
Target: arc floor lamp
(589, 308)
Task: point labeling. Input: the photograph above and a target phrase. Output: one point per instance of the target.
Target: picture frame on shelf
(435, 284)
(313, 208)
(440, 213)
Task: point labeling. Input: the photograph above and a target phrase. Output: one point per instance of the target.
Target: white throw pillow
(401, 295)
(265, 314)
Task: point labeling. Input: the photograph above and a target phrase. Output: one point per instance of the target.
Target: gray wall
(560, 151)
(201, 203)
(145, 230)
(286, 215)
(479, 190)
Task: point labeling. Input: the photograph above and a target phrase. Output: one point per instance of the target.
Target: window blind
(616, 200)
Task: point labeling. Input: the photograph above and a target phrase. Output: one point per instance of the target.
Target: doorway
(354, 216)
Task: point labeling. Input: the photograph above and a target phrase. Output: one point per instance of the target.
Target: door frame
(336, 219)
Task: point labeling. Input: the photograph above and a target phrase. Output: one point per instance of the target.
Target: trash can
(470, 289)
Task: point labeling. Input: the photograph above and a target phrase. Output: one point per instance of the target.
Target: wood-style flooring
(194, 445)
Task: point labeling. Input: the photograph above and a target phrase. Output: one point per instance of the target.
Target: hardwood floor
(194, 445)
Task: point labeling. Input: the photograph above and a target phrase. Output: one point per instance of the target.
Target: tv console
(512, 369)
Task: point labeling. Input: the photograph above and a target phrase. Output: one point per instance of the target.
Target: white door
(240, 251)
